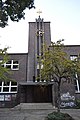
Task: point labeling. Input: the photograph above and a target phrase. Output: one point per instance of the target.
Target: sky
(64, 17)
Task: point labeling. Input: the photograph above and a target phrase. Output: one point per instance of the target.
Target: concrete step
(34, 106)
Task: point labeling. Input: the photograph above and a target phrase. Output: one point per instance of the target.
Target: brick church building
(25, 69)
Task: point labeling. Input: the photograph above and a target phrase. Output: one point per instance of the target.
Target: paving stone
(9, 114)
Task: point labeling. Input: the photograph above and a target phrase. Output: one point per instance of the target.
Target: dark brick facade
(15, 75)
(19, 75)
(27, 89)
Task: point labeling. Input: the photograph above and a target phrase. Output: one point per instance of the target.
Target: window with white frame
(11, 64)
(77, 84)
(39, 66)
(77, 81)
(8, 87)
(73, 57)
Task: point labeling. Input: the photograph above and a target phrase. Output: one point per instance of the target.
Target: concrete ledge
(44, 106)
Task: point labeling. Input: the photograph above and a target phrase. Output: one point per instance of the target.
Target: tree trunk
(59, 99)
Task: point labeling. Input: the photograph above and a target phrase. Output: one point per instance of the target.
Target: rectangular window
(37, 25)
(13, 89)
(6, 83)
(73, 57)
(38, 45)
(41, 25)
(8, 87)
(11, 64)
(8, 66)
(15, 62)
(13, 83)
(39, 65)
(15, 67)
(5, 89)
(76, 82)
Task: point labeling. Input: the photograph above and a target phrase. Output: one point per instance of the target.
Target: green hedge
(59, 116)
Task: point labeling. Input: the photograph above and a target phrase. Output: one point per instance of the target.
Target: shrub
(59, 116)
(78, 104)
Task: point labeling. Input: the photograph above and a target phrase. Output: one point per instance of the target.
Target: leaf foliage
(13, 9)
(57, 64)
(3, 71)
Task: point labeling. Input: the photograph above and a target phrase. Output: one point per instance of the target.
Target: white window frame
(73, 57)
(9, 86)
(39, 66)
(12, 65)
(77, 84)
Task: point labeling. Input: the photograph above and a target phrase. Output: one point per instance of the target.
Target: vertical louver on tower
(39, 33)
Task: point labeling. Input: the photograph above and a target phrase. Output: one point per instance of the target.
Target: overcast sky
(64, 16)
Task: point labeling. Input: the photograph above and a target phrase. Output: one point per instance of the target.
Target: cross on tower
(39, 12)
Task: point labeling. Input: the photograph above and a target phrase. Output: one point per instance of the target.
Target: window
(5, 89)
(77, 83)
(8, 87)
(39, 66)
(73, 57)
(12, 64)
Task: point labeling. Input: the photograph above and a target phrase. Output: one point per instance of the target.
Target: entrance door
(42, 94)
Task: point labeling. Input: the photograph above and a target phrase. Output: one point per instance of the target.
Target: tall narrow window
(77, 83)
(41, 25)
(38, 45)
(77, 80)
(37, 38)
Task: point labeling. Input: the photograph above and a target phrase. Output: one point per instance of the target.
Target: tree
(13, 9)
(3, 59)
(58, 66)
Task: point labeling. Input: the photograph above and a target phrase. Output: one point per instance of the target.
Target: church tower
(39, 33)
